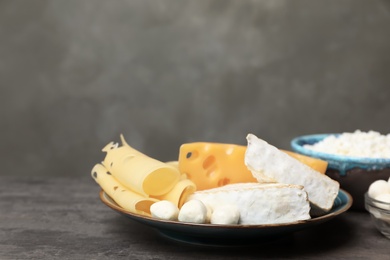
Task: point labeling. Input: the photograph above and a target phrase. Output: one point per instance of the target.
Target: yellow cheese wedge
(124, 197)
(211, 165)
(138, 172)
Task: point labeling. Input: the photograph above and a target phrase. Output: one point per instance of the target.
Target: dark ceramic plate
(229, 235)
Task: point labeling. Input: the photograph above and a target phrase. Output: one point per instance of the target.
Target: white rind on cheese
(263, 159)
(260, 203)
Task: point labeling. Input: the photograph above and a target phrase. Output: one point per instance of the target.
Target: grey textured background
(76, 74)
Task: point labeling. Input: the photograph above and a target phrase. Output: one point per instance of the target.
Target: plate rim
(103, 197)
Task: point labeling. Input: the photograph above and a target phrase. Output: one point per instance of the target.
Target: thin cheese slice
(212, 165)
(174, 164)
(125, 198)
(269, 163)
(260, 203)
(179, 193)
(138, 172)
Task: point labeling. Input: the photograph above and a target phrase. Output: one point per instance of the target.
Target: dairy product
(225, 215)
(385, 199)
(127, 199)
(378, 187)
(380, 191)
(136, 181)
(258, 203)
(211, 165)
(369, 144)
(139, 172)
(165, 210)
(314, 163)
(193, 211)
(267, 163)
(179, 192)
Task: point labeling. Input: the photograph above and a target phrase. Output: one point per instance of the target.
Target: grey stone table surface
(63, 218)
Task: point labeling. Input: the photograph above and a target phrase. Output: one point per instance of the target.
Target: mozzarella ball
(225, 215)
(378, 187)
(385, 198)
(164, 209)
(193, 211)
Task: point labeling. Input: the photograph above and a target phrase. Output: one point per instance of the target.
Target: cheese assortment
(217, 183)
(211, 165)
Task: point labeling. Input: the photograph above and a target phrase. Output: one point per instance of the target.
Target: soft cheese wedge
(269, 164)
(259, 203)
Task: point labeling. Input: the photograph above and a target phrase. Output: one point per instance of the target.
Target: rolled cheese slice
(268, 163)
(260, 203)
(124, 197)
(138, 172)
(179, 193)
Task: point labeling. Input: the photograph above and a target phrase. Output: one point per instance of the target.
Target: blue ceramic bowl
(355, 174)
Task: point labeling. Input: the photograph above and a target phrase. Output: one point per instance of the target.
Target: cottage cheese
(369, 144)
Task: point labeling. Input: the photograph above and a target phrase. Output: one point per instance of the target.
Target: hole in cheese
(223, 182)
(192, 155)
(209, 162)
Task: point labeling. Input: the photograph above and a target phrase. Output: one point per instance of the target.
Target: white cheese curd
(369, 144)
(193, 211)
(164, 209)
(377, 188)
(225, 215)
